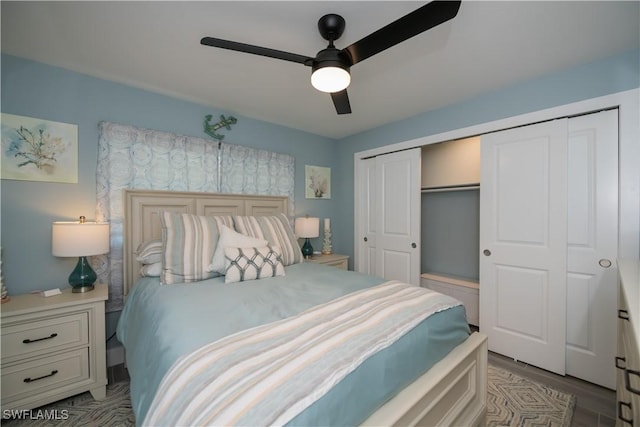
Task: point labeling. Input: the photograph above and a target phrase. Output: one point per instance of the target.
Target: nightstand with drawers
(334, 260)
(53, 347)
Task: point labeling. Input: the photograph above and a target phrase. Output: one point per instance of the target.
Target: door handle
(366, 240)
(486, 252)
(605, 263)
(413, 245)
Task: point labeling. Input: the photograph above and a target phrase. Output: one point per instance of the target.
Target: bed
(434, 372)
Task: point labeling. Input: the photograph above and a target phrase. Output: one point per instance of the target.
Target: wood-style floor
(595, 407)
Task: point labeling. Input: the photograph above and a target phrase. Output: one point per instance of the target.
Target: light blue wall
(36, 90)
(28, 208)
(610, 75)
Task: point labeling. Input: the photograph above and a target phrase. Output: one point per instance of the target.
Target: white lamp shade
(330, 79)
(307, 227)
(74, 239)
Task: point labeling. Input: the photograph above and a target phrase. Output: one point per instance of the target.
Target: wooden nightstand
(53, 347)
(334, 260)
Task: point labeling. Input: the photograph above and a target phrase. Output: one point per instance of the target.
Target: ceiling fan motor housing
(330, 71)
(331, 57)
(331, 27)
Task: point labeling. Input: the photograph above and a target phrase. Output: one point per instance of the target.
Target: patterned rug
(516, 401)
(512, 401)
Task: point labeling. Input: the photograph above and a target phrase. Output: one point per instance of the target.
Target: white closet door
(592, 247)
(523, 239)
(366, 217)
(398, 216)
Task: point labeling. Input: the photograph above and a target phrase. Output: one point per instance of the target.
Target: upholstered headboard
(141, 220)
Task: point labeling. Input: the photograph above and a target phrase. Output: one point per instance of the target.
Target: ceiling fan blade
(341, 102)
(256, 50)
(416, 22)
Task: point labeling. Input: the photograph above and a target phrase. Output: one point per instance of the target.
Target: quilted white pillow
(252, 263)
(231, 239)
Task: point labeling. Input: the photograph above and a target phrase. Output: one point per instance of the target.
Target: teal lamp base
(82, 277)
(307, 249)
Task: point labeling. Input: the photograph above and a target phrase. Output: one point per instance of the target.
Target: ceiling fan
(330, 67)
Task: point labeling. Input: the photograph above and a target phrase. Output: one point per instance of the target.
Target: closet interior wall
(450, 219)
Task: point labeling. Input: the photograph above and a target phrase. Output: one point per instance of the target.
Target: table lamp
(307, 228)
(80, 239)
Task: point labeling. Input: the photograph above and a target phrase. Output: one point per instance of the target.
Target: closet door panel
(592, 246)
(523, 243)
(398, 216)
(366, 219)
(522, 204)
(396, 265)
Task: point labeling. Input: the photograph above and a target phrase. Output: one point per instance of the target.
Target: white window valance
(132, 157)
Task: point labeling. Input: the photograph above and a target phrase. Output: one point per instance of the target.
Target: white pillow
(231, 239)
(151, 270)
(252, 263)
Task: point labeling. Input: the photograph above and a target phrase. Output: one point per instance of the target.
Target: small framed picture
(39, 150)
(317, 182)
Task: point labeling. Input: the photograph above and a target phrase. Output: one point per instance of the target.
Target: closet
(545, 245)
(450, 202)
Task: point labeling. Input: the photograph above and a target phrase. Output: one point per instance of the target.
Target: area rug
(516, 401)
(511, 401)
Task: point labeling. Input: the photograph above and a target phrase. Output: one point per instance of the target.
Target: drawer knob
(621, 362)
(623, 314)
(29, 341)
(621, 417)
(627, 380)
(30, 380)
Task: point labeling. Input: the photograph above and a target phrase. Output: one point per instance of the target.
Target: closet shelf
(458, 281)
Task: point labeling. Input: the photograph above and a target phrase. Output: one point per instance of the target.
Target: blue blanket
(161, 323)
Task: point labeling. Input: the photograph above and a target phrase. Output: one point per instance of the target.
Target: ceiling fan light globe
(330, 79)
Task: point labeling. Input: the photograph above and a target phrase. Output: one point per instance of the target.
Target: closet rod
(458, 188)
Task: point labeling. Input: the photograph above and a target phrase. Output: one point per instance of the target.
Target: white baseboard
(115, 356)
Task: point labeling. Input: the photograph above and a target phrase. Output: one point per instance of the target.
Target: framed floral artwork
(318, 182)
(39, 150)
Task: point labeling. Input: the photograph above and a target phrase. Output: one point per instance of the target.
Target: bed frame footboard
(452, 392)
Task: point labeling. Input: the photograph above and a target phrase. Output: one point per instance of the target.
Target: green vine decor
(38, 149)
(210, 129)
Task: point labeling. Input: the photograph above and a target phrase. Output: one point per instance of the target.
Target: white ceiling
(156, 46)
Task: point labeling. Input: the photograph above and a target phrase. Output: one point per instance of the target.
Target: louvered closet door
(523, 242)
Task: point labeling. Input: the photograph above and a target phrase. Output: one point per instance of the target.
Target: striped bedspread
(269, 374)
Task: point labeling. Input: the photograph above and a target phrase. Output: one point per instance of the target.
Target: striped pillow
(189, 242)
(149, 252)
(274, 229)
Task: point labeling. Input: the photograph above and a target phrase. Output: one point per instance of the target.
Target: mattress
(161, 323)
